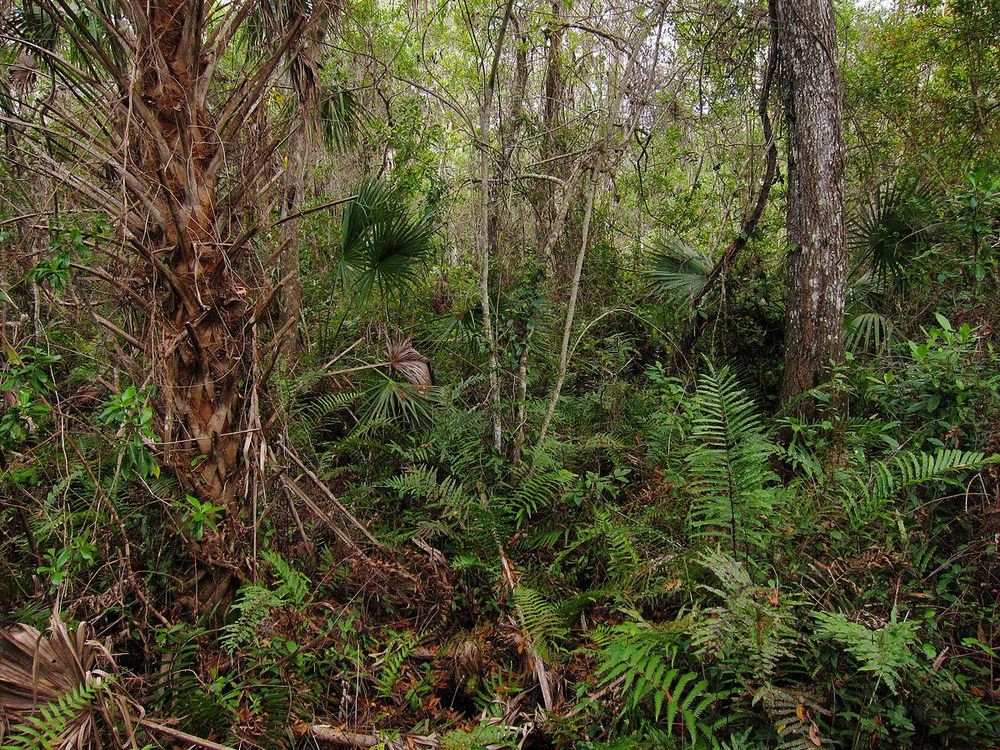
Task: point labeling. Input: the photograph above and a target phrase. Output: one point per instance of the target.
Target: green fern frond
(307, 418)
(791, 712)
(752, 628)
(538, 491)
(396, 652)
(294, 586)
(47, 729)
(642, 658)
(540, 619)
(253, 603)
(885, 652)
(870, 491)
(734, 489)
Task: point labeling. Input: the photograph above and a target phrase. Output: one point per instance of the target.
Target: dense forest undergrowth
(486, 374)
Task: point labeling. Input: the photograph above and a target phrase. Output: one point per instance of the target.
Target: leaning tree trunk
(817, 257)
(201, 316)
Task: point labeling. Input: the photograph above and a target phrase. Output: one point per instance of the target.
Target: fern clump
(647, 664)
(255, 602)
(886, 652)
(735, 493)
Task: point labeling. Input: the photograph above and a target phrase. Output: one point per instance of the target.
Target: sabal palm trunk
(200, 319)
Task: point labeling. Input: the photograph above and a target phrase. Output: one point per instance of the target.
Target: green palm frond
(888, 231)
(383, 244)
(394, 402)
(678, 271)
(868, 332)
(341, 118)
(32, 25)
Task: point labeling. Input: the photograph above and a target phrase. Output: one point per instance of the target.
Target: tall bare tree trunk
(485, 240)
(817, 258)
(553, 92)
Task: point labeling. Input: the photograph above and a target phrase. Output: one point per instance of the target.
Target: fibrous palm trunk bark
(200, 318)
(817, 256)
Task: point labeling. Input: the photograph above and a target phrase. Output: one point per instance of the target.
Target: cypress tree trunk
(817, 258)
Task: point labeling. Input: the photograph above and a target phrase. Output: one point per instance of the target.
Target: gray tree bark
(817, 258)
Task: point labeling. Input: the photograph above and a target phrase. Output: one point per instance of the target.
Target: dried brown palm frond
(53, 686)
(408, 362)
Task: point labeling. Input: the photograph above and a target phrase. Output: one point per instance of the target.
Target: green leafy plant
(63, 562)
(886, 652)
(200, 515)
(24, 383)
(734, 490)
(131, 416)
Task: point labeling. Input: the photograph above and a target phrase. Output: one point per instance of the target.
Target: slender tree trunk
(305, 80)
(553, 92)
(817, 258)
(485, 118)
(574, 292)
(295, 181)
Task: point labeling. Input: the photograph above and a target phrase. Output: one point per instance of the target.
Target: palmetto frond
(408, 362)
(393, 402)
(383, 244)
(341, 117)
(889, 231)
(678, 271)
(52, 684)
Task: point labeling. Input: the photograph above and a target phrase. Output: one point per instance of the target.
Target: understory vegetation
(502, 457)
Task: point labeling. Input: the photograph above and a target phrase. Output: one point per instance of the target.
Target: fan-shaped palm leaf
(408, 362)
(888, 232)
(52, 685)
(341, 118)
(394, 402)
(678, 271)
(382, 243)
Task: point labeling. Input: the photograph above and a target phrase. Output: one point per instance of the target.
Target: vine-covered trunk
(817, 259)
(200, 319)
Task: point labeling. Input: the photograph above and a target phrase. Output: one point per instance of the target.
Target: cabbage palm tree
(145, 114)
